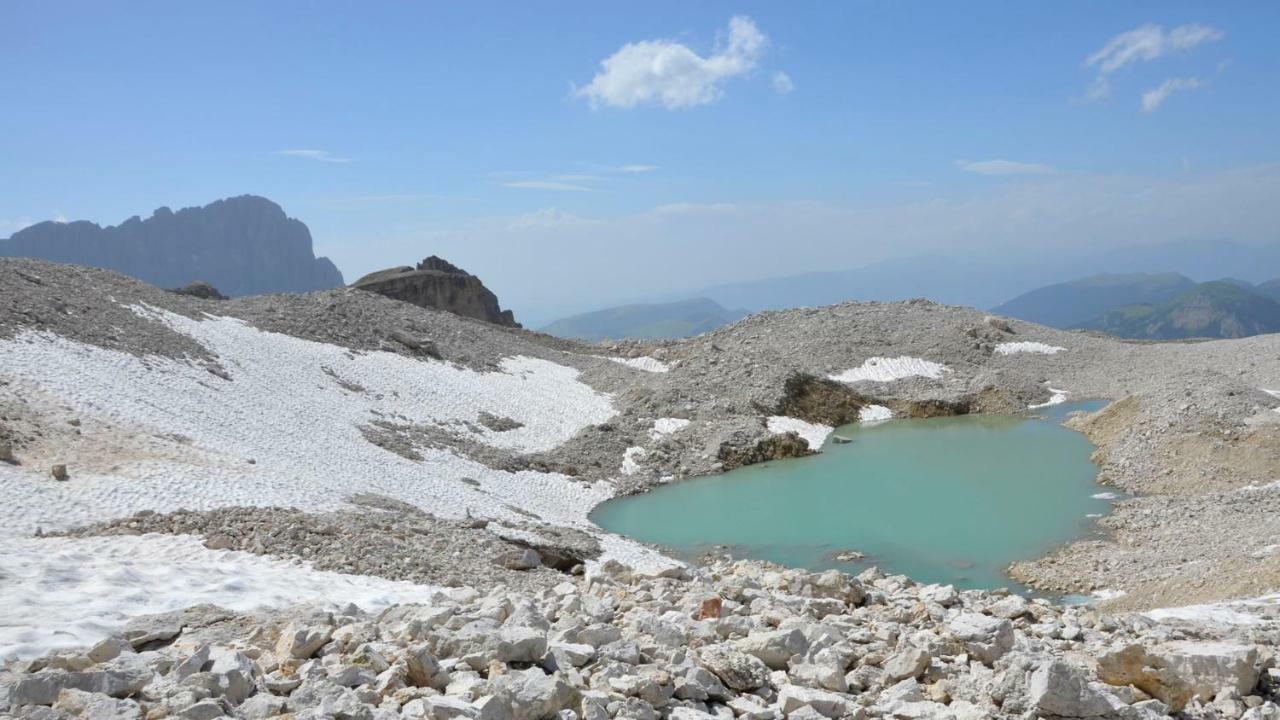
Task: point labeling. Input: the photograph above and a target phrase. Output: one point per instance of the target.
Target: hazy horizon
(575, 159)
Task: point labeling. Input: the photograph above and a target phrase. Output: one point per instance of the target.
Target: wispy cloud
(318, 155)
(1143, 44)
(1155, 97)
(1004, 167)
(782, 83)
(668, 73)
(545, 185)
(637, 168)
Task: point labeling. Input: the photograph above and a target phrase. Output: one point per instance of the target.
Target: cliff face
(436, 283)
(243, 246)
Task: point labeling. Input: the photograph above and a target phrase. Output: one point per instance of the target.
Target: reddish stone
(710, 609)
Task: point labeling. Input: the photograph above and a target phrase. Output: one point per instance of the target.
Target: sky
(575, 155)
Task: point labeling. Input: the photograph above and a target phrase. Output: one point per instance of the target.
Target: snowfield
(285, 409)
(812, 433)
(283, 431)
(83, 589)
(1011, 348)
(881, 369)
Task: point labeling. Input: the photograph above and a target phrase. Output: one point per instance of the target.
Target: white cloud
(1003, 167)
(1155, 97)
(637, 168)
(669, 73)
(1143, 44)
(782, 83)
(318, 155)
(546, 185)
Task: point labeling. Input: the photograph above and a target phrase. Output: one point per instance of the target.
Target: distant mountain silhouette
(987, 279)
(1071, 304)
(648, 321)
(1218, 309)
(242, 246)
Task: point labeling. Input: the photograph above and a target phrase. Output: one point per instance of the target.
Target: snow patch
(1010, 348)
(1057, 398)
(1105, 496)
(665, 426)
(62, 593)
(645, 363)
(631, 459)
(1274, 394)
(882, 369)
(813, 434)
(874, 413)
(1234, 612)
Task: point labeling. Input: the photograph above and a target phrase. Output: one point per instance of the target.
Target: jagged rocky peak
(438, 283)
(243, 245)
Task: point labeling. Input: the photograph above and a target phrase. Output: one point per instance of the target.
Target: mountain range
(1162, 306)
(243, 245)
(650, 321)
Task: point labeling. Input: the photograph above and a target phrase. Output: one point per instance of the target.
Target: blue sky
(491, 133)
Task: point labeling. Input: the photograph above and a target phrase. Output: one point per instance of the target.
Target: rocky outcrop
(820, 400)
(774, 447)
(243, 245)
(437, 283)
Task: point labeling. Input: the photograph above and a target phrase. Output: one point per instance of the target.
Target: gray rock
(737, 670)
(906, 663)
(775, 648)
(532, 694)
(302, 641)
(1060, 690)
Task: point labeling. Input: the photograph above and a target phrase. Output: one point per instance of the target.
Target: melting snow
(645, 363)
(815, 435)
(631, 459)
(283, 410)
(881, 369)
(666, 426)
(1105, 496)
(1010, 348)
(83, 589)
(1057, 398)
(874, 413)
(1235, 612)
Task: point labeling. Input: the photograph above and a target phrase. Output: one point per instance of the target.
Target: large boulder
(737, 670)
(1058, 690)
(1177, 672)
(438, 284)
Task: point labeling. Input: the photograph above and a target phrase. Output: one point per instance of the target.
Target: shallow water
(949, 500)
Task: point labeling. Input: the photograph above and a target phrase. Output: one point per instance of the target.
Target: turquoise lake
(948, 500)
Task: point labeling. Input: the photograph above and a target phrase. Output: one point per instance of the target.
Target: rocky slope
(386, 454)
(242, 245)
(436, 283)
